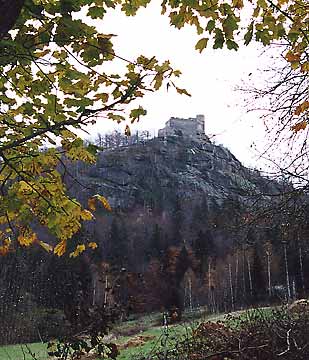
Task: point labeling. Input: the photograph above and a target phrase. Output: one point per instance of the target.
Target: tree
(155, 247)
(204, 248)
(118, 246)
(53, 83)
(258, 277)
(282, 100)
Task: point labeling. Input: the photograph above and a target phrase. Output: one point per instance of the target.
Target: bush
(255, 335)
(32, 326)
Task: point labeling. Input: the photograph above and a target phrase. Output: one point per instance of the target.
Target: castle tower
(193, 128)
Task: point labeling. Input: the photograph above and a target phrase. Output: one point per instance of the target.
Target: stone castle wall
(192, 127)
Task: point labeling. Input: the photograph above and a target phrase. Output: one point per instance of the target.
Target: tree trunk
(190, 294)
(236, 277)
(244, 276)
(287, 271)
(9, 12)
(250, 277)
(268, 274)
(105, 291)
(231, 286)
(301, 268)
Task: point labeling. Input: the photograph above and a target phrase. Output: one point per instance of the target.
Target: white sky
(211, 78)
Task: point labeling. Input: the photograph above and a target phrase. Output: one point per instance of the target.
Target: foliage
(32, 325)
(77, 347)
(54, 81)
(258, 335)
(86, 336)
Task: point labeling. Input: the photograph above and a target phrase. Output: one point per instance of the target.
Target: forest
(162, 248)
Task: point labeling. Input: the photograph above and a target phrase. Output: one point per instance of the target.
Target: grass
(151, 327)
(21, 352)
(157, 337)
(134, 337)
(145, 329)
(234, 320)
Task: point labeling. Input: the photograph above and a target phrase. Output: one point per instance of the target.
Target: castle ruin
(193, 128)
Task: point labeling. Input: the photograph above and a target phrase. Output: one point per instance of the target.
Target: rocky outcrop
(153, 173)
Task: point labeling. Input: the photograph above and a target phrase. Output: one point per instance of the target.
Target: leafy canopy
(54, 81)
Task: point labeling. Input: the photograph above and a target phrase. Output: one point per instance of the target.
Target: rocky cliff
(157, 171)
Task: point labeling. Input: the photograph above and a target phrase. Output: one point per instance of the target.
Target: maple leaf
(79, 249)
(103, 201)
(299, 126)
(301, 108)
(86, 214)
(27, 238)
(45, 246)
(60, 249)
(92, 245)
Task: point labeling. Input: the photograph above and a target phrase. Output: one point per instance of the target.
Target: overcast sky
(211, 78)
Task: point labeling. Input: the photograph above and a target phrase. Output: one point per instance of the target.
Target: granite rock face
(153, 173)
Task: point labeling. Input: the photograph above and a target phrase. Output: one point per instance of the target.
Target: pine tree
(258, 276)
(177, 223)
(118, 246)
(204, 247)
(155, 249)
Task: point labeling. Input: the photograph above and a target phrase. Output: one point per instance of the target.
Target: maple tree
(53, 82)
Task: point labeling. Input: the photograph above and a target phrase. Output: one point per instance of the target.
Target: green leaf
(229, 26)
(93, 149)
(210, 25)
(232, 45)
(219, 39)
(201, 44)
(263, 36)
(249, 34)
(135, 114)
(96, 12)
(116, 117)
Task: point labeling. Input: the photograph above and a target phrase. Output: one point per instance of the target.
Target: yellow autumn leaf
(24, 187)
(45, 246)
(79, 249)
(91, 204)
(27, 238)
(86, 215)
(104, 202)
(7, 242)
(60, 248)
(299, 126)
(5, 248)
(92, 245)
(305, 67)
